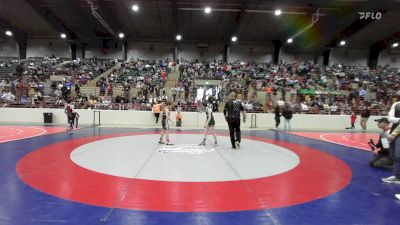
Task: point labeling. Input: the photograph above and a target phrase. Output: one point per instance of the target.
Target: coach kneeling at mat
(380, 151)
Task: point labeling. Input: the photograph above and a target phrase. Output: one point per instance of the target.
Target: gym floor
(122, 176)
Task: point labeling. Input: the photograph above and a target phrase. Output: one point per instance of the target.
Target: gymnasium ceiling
(253, 21)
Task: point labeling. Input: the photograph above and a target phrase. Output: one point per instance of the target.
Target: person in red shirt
(110, 89)
(164, 75)
(353, 119)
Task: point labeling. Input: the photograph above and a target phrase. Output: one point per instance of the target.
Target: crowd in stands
(26, 83)
(305, 87)
(8, 61)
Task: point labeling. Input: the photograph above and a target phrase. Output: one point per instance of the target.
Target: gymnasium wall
(150, 50)
(8, 47)
(348, 56)
(163, 50)
(320, 60)
(292, 57)
(390, 57)
(248, 53)
(132, 118)
(48, 47)
(206, 52)
(112, 53)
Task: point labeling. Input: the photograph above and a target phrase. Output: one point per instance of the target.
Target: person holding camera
(380, 151)
(394, 118)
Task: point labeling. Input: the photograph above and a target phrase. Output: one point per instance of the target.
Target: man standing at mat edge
(165, 124)
(232, 115)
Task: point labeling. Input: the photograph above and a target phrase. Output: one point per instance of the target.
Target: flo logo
(370, 15)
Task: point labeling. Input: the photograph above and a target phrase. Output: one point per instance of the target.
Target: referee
(232, 115)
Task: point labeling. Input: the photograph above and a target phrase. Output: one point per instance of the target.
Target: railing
(98, 118)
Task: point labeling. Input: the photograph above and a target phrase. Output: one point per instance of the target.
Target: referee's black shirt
(232, 109)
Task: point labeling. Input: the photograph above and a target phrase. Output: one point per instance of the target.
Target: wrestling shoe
(237, 144)
(391, 180)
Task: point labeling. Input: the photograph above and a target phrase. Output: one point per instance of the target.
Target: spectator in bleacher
(174, 92)
(21, 88)
(64, 92)
(120, 102)
(8, 96)
(110, 89)
(93, 102)
(77, 90)
(102, 86)
(164, 75)
(127, 90)
(106, 102)
(333, 108)
(362, 94)
(3, 85)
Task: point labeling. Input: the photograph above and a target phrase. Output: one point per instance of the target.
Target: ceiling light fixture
(278, 12)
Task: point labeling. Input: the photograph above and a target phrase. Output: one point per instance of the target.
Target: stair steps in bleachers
(171, 82)
(6, 71)
(105, 74)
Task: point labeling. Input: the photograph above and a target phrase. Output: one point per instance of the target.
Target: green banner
(314, 92)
